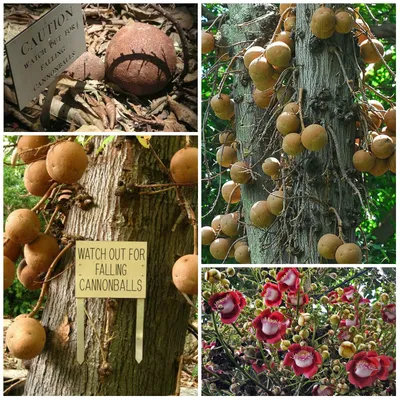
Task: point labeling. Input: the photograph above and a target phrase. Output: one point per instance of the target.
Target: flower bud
(353, 329)
(223, 275)
(336, 369)
(361, 347)
(351, 317)
(344, 389)
(230, 271)
(324, 300)
(289, 331)
(325, 381)
(304, 318)
(347, 349)
(324, 347)
(304, 334)
(331, 332)
(358, 339)
(325, 355)
(373, 322)
(213, 275)
(333, 275)
(225, 283)
(272, 272)
(334, 320)
(336, 362)
(303, 343)
(285, 345)
(372, 346)
(340, 291)
(257, 311)
(258, 303)
(296, 338)
(313, 286)
(346, 313)
(384, 298)
(206, 295)
(377, 306)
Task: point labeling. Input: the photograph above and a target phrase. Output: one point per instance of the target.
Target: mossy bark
(55, 372)
(317, 180)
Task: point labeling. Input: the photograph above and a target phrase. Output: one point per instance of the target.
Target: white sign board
(45, 49)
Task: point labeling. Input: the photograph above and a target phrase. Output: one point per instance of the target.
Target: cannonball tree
(298, 331)
(299, 133)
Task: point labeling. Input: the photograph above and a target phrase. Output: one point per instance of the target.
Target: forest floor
(15, 371)
(101, 103)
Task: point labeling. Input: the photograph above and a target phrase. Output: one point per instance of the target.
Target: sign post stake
(80, 324)
(139, 330)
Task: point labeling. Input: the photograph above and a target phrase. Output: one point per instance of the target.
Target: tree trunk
(130, 217)
(316, 180)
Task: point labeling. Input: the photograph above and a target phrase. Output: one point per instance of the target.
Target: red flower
(349, 322)
(364, 368)
(364, 301)
(344, 334)
(385, 364)
(303, 359)
(270, 326)
(321, 390)
(206, 346)
(228, 304)
(288, 278)
(392, 363)
(297, 298)
(348, 294)
(257, 368)
(389, 313)
(333, 297)
(272, 295)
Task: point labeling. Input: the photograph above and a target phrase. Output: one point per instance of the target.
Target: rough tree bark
(324, 175)
(131, 218)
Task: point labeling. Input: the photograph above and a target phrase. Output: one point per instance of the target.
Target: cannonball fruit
(284, 94)
(185, 274)
(260, 215)
(382, 146)
(328, 244)
(66, 162)
(30, 148)
(223, 106)
(140, 59)
(287, 122)
(8, 272)
(377, 114)
(380, 167)
(323, 23)
(275, 202)
(11, 249)
(348, 253)
(251, 54)
(87, 66)
(314, 137)
(368, 52)
(230, 224)
(40, 253)
(230, 192)
(283, 7)
(36, 178)
(289, 24)
(22, 226)
(292, 144)
(363, 160)
(271, 166)
(344, 22)
(25, 338)
(183, 166)
(285, 37)
(29, 278)
(390, 119)
(262, 73)
(207, 42)
(365, 27)
(240, 172)
(207, 235)
(392, 163)
(216, 223)
(226, 137)
(291, 107)
(219, 248)
(262, 98)
(278, 54)
(226, 156)
(242, 255)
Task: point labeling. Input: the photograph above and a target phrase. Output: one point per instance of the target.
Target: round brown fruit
(292, 145)
(291, 107)
(28, 148)
(228, 114)
(11, 249)
(226, 137)
(25, 338)
(392, 163)
(284, 94)
(287, 122)
(323, 23)
(216, 223)
(368, 53)
(328, 244)
(40, 253)
(251, 54)
(283, 7)
(380, 167)
(230, 224)
(314, 137)
(9, 272)
(275, 202)
(289, 24)
(185, 274)
(377, 114)
(285, 37)
(184, 165)
(344, 22)
(66, 162)
(363, 160)
(262, 74)
(348, 253)
(226, 156)
(382, 146)
(207, 42)
(271, 166)
(219, 248)
(262, 98)
(221, 104)
(279, 54)
(230, 192)
(29, 278)
(239, 243)
(207, 235)
(240, 172)
(260, 215)
(390, 119)
(22, 226)
(242, 255)
(361, 36)
(36, 178)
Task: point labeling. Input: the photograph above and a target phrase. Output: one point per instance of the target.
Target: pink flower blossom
(271, 294)
(228, 304)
